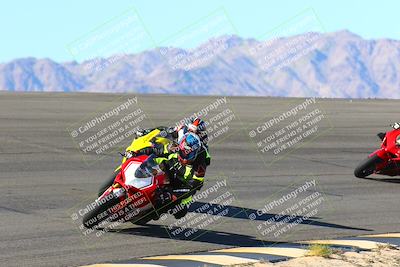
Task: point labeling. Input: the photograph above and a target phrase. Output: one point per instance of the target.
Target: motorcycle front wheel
(93, 218)
(367, 167)
(109, 182)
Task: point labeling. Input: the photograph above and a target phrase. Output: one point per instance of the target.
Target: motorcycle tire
(90, 219)
(367, 167)
(109, 182)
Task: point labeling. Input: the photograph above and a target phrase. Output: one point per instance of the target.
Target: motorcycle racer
(147, 186)
(179, 168)
(188, 169)
(196, 126)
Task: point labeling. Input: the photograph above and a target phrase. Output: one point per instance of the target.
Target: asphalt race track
(45, 178)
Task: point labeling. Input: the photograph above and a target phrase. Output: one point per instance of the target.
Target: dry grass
(385, 246)
(320, 250)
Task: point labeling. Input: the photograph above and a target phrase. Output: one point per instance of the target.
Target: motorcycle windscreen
(132, 180)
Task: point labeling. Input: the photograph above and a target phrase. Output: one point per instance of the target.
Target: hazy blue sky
(45, 28)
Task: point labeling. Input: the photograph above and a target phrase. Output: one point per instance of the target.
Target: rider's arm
(157, 149)
(185, 173)
(160, 160)
(201, 163)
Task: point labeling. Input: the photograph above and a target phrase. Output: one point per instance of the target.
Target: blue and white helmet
(188, 148)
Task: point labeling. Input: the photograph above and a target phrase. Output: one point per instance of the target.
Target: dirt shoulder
(387, 256)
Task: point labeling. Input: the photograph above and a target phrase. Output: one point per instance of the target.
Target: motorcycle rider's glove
(173, 147)
(158, 149)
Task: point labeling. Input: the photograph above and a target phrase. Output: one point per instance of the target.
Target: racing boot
(181, 209)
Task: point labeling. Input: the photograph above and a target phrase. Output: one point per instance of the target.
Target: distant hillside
(339, 64)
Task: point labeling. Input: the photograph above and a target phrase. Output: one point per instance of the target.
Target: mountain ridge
(340, 65)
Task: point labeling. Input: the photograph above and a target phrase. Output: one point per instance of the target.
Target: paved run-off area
(46, 179)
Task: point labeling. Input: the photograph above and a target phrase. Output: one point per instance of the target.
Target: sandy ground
(376, 258)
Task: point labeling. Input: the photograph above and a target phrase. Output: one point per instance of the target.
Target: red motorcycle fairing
(141, 198)
(132, 193)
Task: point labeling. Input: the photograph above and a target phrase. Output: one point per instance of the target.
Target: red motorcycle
(386, 160)
(132, 196)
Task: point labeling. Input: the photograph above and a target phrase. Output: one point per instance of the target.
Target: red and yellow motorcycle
(132, 195)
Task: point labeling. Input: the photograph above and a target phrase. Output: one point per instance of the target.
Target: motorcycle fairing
(132, 180)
